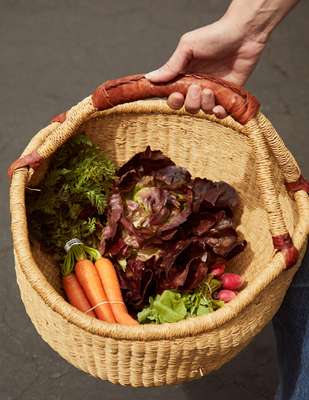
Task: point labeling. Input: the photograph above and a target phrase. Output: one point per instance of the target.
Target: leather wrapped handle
(238, 103)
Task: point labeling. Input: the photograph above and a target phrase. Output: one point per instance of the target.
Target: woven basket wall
(153, 355)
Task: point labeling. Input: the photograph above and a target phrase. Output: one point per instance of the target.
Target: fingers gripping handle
(239, 103)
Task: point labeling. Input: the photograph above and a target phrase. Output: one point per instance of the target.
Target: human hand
(223, 49)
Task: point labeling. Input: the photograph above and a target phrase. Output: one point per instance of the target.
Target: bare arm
(260, 17)
(229, 49)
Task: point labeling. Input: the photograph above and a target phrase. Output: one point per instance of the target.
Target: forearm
(259, 17)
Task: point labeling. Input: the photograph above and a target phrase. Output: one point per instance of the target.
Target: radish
(225, 295)
(231, 281)
(217, 270)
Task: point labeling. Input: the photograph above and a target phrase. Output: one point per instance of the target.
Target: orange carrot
(75, 294)
(112, 289)
(89, 279)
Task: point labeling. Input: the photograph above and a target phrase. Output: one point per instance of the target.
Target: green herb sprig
(73, 196)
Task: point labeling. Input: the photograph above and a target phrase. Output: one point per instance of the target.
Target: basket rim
(190, 327)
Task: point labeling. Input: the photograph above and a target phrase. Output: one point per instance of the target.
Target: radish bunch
(231, 283)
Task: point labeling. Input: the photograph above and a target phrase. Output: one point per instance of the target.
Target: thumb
(174, 66)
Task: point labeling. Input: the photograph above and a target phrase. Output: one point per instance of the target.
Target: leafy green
(168, 226)
(173, 306)
(167, 307)
(72, 197)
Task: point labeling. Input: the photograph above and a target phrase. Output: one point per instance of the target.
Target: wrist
(248, 24)
(258, 18)
(244, 30)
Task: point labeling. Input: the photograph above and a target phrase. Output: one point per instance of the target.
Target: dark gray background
(53, 53)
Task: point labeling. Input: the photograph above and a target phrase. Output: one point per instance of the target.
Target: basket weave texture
(252, 158)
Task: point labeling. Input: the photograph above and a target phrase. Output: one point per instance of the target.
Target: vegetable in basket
(72, 196)
(98, 282)
(75, 294)
(173, 305)
(226, 295)
(166, 230)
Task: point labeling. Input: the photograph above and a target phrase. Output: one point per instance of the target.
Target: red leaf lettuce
(165, 229)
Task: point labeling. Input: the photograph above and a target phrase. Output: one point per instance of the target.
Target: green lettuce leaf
(167, 307)
(174, 306)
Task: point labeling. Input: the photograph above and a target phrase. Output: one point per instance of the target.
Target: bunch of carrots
(91, 284)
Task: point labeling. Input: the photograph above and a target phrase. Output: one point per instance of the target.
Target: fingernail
(153, 74)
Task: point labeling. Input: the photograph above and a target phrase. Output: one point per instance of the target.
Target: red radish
(225, 295)
(217, 270)
(231, 281)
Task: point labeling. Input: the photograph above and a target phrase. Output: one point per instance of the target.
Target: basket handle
(242, 106)
(238, 103)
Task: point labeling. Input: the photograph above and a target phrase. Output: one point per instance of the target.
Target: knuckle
(184, 41)
(170, 67)
(184, 38)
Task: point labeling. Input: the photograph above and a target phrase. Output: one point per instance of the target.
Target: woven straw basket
(243, 150)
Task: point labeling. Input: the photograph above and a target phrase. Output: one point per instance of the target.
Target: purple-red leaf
(169, 228)
(115, 210)
(172, 177)
(208, 194)
(146, 162)
(128, 181)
